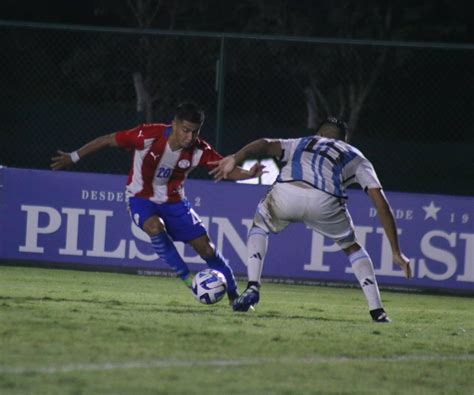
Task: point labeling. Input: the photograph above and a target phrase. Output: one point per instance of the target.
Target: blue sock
(165, 248)
(218, 262)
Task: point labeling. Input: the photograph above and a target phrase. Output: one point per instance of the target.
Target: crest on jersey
(184, 164)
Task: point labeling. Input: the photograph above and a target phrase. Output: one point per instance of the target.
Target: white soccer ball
(209, 286)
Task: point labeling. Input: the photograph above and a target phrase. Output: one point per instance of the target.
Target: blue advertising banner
(82, 218)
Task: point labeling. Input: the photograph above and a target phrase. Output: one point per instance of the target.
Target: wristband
(74, 156)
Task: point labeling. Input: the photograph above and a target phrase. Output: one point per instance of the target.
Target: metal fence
(410, 106)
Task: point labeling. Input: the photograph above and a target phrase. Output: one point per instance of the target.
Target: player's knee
(351, 248)
(259, 225)
(153, 226)
(258, 229)
(349, 244)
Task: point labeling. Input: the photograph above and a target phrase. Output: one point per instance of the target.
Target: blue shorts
(181, 221)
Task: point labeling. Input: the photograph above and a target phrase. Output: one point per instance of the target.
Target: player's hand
(256, 170)
(223, 167)
(402, 261)
(62, 161)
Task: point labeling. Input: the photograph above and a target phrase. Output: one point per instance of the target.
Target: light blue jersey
(326, 164)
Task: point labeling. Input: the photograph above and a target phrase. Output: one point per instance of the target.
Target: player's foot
(248, 299)
(188, 281)
(380, 316)
(233, 295)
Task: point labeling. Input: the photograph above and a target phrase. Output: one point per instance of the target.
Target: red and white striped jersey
(157, 172)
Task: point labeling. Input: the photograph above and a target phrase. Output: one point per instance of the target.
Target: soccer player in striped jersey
(311, 189)
(163, 156)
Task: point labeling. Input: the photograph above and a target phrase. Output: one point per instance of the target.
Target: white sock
(364, 271)
(257, 243)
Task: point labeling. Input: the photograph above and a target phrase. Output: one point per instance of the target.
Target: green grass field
(71, 332)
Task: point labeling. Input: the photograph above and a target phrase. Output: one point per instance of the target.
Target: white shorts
(324, 213)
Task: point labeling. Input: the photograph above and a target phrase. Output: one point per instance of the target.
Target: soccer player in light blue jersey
(311, 188)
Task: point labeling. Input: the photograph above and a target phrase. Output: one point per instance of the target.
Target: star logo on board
(431, 211)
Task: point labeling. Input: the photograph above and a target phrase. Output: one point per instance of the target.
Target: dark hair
(189, 111)
(340, 125)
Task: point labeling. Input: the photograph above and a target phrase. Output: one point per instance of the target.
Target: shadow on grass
(277, 315)
(173, 308)
(58, 300)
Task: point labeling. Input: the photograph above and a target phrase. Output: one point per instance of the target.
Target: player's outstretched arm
(223, 168)
(67, 159)
(226, 167)
(241, 174)
(388, 222)
(230, 171)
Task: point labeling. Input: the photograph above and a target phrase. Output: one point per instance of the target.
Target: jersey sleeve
(366, 176)
(131, 138)
(135, 138)
(287, 148)
(209, 154)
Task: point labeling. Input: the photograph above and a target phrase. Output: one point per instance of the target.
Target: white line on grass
(169, 363)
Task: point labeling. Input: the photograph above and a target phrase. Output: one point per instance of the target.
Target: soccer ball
(209, 286)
